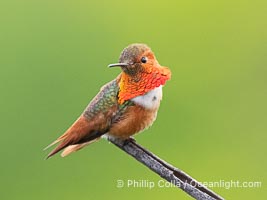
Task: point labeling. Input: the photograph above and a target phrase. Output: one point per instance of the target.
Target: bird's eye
(144, 59)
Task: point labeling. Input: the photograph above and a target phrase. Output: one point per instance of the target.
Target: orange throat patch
(142, 83)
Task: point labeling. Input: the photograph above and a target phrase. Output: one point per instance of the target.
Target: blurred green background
(212, 121)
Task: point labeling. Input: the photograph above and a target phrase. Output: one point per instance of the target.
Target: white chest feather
(150, 100)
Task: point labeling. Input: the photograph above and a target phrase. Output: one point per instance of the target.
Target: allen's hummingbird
(124, 106)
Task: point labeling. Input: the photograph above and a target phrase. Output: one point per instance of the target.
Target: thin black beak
(118, 65)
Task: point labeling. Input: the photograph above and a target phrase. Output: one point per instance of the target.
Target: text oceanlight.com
(132, 183)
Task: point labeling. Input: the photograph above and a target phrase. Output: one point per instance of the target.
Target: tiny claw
(128, 140)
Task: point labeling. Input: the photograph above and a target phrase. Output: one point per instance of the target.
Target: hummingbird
(123, 107)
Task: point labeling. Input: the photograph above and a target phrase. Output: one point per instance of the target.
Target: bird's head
(141, 71)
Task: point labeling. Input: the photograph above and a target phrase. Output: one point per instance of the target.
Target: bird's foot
(128, 140)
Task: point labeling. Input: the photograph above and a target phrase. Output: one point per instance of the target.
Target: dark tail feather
(57, 149)
(68, 141)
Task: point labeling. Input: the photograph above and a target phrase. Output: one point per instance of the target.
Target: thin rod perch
(165, 170)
